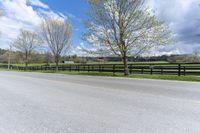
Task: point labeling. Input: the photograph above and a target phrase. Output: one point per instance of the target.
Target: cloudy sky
(183, 17)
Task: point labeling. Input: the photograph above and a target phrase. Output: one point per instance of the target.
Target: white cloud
(38, 3)
(18, 10)
(50, 13)
(72, 16)
(182, 17)
(21, 14)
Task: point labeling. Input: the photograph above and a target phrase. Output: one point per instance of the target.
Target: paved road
(51, 103)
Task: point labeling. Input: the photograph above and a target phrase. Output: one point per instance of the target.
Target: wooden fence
(182, 69)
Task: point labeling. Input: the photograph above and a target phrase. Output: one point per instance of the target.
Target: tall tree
(26, 42)
(124, 27)
(57, 34)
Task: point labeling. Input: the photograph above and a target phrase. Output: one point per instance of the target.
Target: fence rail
(158, 68)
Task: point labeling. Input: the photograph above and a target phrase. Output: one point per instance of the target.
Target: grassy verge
(140, 76)
(168, 77)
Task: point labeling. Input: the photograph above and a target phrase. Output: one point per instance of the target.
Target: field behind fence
(180, 69)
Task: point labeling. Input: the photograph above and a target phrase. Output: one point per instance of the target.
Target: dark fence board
(180, 69)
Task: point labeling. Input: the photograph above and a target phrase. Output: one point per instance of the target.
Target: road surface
(55, 103)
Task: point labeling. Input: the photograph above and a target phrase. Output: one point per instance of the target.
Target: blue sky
(182, 16)
(75, 10)
(26, 14)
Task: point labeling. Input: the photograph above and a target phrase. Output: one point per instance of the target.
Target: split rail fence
(182, 69)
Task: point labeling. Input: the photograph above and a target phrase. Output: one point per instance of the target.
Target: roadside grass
(140, 76)
(1, 69)
(168, 77)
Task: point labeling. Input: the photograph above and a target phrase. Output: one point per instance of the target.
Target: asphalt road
(53, 103)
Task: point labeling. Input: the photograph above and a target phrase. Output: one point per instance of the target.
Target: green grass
(146, 76)
(1, 69)
(140, 76)
(168, 77)
(144, 62)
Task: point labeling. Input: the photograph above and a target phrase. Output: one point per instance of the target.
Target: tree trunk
(26, 65)
(57, 63)
(26, 61)
(125, 62)
(56, 66)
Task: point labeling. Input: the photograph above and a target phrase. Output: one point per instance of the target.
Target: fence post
(142, 70)
(184, 70)
(93, 68)
(179, 69)
(62, 68)
(151, 71)
(113, 69)
(161, 70)
(99, 68)
(131, 67)
(78, 68)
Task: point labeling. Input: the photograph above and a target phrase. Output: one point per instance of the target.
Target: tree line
(46, 58)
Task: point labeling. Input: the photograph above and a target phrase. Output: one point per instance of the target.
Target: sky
(182, 16)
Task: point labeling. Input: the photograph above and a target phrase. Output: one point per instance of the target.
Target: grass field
(147, 76)
(146, 62)
(140, 76)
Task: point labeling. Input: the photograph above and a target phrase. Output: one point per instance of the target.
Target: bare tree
(26, 42)
(124, 27)
(57, 34)
(48, 57)
(9, 56)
